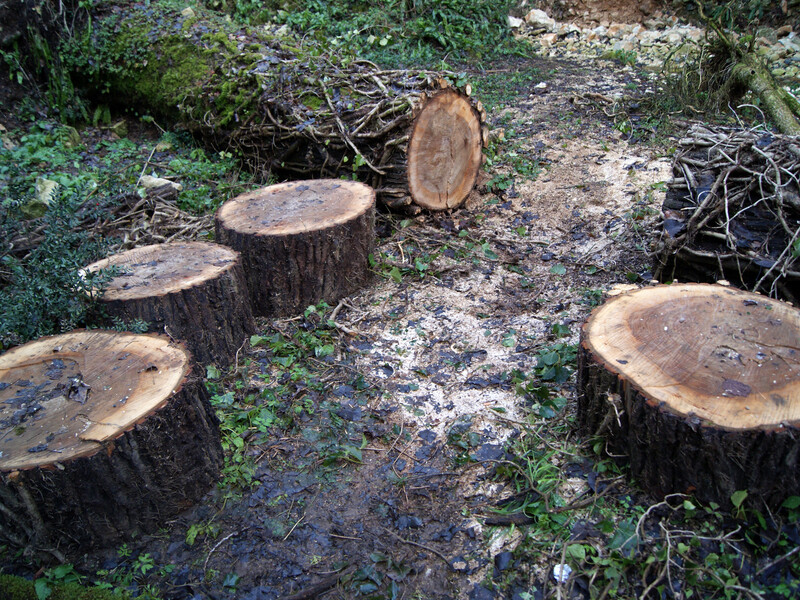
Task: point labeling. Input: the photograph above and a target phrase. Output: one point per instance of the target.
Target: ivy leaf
(43, 591)
(791, 502)
(738, 497)
(396, 275)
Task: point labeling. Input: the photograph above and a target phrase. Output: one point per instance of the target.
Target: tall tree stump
(193, 291)
(301, 242)
(102, 435)
(699, 386)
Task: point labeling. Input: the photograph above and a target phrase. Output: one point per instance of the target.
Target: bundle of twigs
(153, 219)
(334, 120)
(126, 221)
(732, 210)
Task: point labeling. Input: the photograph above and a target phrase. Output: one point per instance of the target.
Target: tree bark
(301, 242)
(192, 291)
(286, 109)
(103, 435)
(747, 70)
(698, 386)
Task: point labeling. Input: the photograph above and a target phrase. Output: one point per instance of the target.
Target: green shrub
(46, 292)
(17, 588)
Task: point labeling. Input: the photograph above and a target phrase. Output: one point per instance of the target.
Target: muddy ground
(380, 486)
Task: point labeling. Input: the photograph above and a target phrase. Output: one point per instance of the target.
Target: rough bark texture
(193, 291)
(284, 108)
(778, 105)
(104, 435)
(697, 386)
(301, 242)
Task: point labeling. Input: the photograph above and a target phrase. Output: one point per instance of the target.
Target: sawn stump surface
(699, 385)
(102, 435)
(301, 242)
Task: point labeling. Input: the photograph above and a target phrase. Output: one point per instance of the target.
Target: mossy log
(699, 387)
(192, 291)
(286, 109)
(103, 435)
(744, 70)
(301, 242)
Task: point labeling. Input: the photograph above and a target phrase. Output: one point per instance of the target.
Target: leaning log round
(699, 386)
(192, 291)
(444, 152)
(301, 242)
(103, 435)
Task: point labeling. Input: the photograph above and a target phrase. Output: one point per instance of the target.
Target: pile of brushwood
(732, 210)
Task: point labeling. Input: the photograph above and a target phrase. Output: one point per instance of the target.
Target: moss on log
(284, 107)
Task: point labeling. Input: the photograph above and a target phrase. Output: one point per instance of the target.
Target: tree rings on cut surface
(102, 435)
(445, 151)
(301, 242)
(699, 386)
(193, 291)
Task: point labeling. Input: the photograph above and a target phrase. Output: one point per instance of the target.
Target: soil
(420, 379)
(433, 354)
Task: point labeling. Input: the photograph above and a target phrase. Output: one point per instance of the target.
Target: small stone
(188, 12)
(149, 182)
(514, 22)
(783, 31)
(673, 37)
(538, 19)
(623, 45)
(37, 206)
(119, 128)
(548, 39)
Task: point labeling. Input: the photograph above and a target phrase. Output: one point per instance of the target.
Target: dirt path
(379, 485)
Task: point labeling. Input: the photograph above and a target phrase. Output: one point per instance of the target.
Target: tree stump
(102, 435)
(193, 291)
(301, 242)
(699, 386)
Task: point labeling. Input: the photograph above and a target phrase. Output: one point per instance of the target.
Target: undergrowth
(393, 33)
(54, 180)
(586, 532)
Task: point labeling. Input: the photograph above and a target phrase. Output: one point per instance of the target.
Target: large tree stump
(193, 291)
(301, 242)
(699, 386)
(102, 435)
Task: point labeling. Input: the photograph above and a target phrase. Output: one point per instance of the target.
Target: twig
(422, 546)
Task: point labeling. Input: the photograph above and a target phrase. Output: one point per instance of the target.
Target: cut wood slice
(102, 435)
(445, 151)
(301, 242)
(699, 386)
(193, 291)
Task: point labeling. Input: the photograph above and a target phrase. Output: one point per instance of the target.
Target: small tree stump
(699, 386)
(102, 435)
(193, 291)
(301, 242)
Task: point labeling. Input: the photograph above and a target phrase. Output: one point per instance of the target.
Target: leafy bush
(46, 292)
(393, 32)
